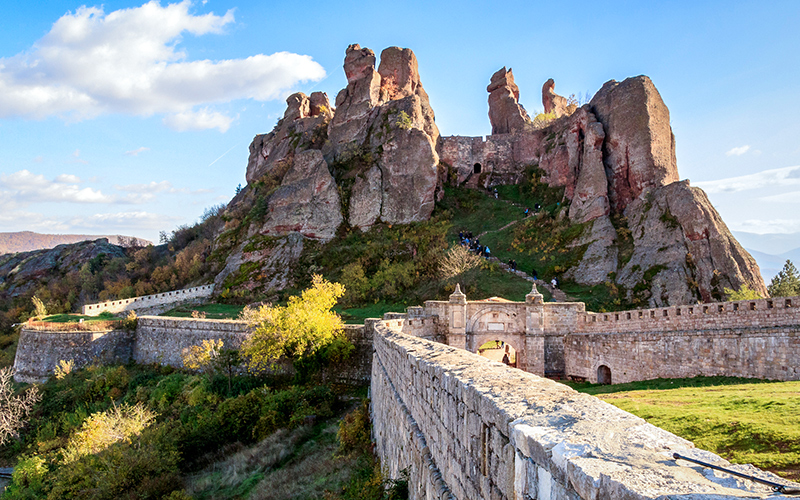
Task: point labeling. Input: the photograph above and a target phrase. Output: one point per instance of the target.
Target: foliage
(459, 260)
(403, 121)
(63, 368)
(542, 120)
(786, 283)
(14, 408)
(299, 329)
(102, 429)
(38, 307)
(211, 357)
(743, 293)
(355, 430)
(137, 432)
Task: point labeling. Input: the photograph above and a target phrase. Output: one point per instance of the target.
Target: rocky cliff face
(378, 158)
(615, 160)
(371, 159)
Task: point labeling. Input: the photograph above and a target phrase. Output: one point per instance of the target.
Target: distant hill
(26, 241)
(771, 265)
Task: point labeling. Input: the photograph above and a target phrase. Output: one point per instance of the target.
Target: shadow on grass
(659, 384)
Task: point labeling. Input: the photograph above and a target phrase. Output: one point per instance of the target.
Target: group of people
(536, 209)
(473, 244)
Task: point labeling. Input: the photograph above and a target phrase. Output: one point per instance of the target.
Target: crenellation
(153, 304)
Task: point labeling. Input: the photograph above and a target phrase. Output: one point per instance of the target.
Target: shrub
(63, 368)
(103, 429)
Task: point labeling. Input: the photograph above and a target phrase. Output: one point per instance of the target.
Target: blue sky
(132, 118)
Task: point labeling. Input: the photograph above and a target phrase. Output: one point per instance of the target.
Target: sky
(132, 118)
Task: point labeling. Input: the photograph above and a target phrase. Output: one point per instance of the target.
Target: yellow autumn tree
(299, 330)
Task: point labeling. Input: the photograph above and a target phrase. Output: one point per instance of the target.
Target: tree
(299, 330)
(212, 357)
(786, 283)
(14, 409)
(457, 261)
(744, 293)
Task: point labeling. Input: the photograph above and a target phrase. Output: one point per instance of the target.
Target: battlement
(149, 301)
(778, 311)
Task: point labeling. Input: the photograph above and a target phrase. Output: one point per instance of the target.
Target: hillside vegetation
(148, 432)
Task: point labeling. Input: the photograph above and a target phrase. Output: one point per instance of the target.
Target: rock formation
(615, 159)
(552, 102)
(372, 159)
(506, 114)
(376, 158)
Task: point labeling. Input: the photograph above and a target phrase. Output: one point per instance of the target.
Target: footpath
(555, 292)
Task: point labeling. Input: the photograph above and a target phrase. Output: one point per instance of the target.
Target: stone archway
(497, 322)
(476, 169)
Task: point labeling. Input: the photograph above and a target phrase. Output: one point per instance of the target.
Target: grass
(357, 315)
(476, 211)
(76, 318)
(213, 311)
(742, 420)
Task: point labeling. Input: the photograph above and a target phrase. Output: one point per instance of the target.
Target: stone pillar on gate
(457, 319)
(533, 361)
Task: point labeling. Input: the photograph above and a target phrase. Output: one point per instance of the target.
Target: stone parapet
(465, 427)
(39, 352)
(153, 304)
(778, 311)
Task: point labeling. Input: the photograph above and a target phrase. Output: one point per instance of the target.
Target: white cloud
(136, 152)
(791, 197)
(787, 176)
(24, 186)
(198, 120)
(129, 61)
(738, 151)
(152, 187)
(68, 179)
(771, 226)
(122, 220)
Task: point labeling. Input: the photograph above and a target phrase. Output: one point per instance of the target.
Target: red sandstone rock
(320, 105)
(552, 102)
(639, 152)
(505, 113)
(307, 201)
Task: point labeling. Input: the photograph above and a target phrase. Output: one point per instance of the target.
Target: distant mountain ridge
(26, 241)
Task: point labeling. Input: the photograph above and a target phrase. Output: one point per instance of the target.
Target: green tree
(743, 293)
(211, 357)
(786, 283)
(305, 326)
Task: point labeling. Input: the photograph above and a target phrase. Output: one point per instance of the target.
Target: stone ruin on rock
(378, 158)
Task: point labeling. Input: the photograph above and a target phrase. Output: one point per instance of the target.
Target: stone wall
(150, 304)
(464, 427)
(39, 352)
(159, 340)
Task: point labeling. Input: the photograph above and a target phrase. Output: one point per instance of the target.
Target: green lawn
(75, 318)
(213, 311)
(742, 420)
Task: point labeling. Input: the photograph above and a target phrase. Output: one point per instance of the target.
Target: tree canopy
(786, 283)
(295, 331)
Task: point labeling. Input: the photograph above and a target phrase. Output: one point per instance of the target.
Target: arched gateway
(536, 329)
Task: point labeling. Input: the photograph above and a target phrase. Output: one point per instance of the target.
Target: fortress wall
(165, 340)
(465, 427)
(159, 340)
(779, 311)
(39, 352)
(752, 352)
(153, 304)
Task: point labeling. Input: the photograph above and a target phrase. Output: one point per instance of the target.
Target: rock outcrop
(615, 159)
(639, 151)
(375, 158)
(552, 102)
(370, 160)
(506, 114)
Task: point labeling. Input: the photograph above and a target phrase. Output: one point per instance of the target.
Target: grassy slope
(743, 420)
